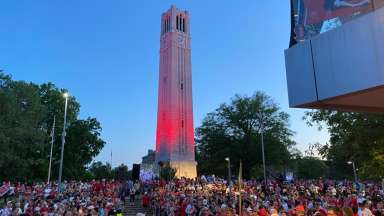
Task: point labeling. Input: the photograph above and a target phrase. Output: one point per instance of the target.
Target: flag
(111, 158)
(4, 189)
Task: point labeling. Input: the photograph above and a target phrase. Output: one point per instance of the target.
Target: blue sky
(106, 53)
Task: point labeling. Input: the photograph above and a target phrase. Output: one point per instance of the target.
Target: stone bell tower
(175, 132)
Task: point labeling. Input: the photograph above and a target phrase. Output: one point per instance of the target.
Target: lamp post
(262, 125)
(229, 170)
(354, 169)
(50, 155)
(229, 176)
(66, 95)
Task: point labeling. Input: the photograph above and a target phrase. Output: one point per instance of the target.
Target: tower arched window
(166, 25)
(169, 24)
(162, 27)
(183, 25)
(180, 17)
(179, 25)
(177, 22)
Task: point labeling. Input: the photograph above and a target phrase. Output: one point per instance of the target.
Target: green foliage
(83, 137)
(233, 130)
(311, 168)
(27, 111)
(167, 172)
(354, 136)
(100, 171)
(122, 173)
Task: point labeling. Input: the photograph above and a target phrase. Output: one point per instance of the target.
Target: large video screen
(313, 17)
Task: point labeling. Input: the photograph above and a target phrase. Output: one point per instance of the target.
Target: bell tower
(175, 131)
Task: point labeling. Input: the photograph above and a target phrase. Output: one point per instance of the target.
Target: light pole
(354, 169)
(229, 177)
(262, 125)
(66, 95)
(229, 170)
(50, 155)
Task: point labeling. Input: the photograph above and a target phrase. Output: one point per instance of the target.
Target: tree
(122, 173)
(27, 111)
(311, 168)
(84, 139)
(101, 171)
(167, 172)
(353, 136)
(233, 130)
(21, 138)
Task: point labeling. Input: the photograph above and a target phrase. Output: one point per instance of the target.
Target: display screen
(313, 17)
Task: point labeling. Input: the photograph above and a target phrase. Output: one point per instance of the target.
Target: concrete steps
(131, 209)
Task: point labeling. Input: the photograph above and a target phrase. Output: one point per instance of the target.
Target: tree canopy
(234, 130)
(99, 171)
(27, 111)
(357, 137)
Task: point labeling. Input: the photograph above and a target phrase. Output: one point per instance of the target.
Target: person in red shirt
(145, 200)
(44, 209)
(262, 211)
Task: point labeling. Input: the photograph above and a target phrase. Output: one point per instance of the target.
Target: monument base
(186, 169)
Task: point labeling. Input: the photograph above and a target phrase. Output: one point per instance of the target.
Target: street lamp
(66, 95)
(354, 169)
(262, 126)
(229, 176)
(229, 170)
(50, 155)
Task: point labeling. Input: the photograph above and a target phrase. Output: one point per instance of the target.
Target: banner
(4, 189)
(312, 17)
(317, 11)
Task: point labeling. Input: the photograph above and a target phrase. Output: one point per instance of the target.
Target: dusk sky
(106, 53)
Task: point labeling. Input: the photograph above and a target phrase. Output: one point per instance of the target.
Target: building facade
(175, 131)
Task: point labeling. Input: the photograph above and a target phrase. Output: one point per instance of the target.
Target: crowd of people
(200, 197)
(71, 198)
(276, 198)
